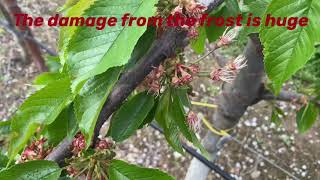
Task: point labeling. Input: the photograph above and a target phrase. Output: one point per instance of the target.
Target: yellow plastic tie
(213, 130)
(204, 104)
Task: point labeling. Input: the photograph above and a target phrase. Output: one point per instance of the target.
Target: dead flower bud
(223, 75)
(78, 144)
(239, 63)
(229, 36)
(35, 151)
(193, 121)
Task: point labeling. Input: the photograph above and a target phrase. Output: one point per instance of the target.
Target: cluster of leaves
(71, 96)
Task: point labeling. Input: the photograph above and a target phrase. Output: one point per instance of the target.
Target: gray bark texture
(233, 101)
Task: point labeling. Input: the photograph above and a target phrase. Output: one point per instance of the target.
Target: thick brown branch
(159, 51)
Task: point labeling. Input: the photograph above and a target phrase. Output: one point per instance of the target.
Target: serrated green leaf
(178, 115)
(120, 170)
(41, 108)
(91, 52)
(151, 115)
(32, 170)
(130, 116)
(183, 96)
(257, 8)
(306, 117)
(66, 33)
(46, 78)
(170, 128)
(91, 98)
(286, 51)
(64, 126)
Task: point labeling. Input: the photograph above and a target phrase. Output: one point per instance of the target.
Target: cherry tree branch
(160, 50)
(9, 8)
(289, 97)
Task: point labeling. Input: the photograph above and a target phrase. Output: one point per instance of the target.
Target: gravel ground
(299, 154)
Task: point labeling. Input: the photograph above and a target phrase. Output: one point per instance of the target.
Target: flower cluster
(82, 165)
(35, 151)
(190, 8)
(193, 121)
(78, 144)
(104, 144)
(228, 73)
(153, 80)
(184, 74)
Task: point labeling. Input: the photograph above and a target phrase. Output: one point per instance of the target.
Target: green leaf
(3, 161)
(198, 45)
(151, 115)
(286, 51)
(231, 8)
(53, 63)
(183, 96)
(169, 126)
(214, 32)
(66, 33)
(91, 51)
(32, 170)
(306, 117)
(91, 99)
(64, 126)
(178, 115)
(142, 46)
(5, 127)
(46, 78)
(130, 116)
(120, 170)
(276, 112)
(41, 108)
(67, 5)
(257, 8)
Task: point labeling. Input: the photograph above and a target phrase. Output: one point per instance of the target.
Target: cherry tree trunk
(233, 101)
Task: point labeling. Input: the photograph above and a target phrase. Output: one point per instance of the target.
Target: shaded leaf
(32, 170)
(120, 170)
(64, 126)
(198, 45)
(142, 46)
(306, 117)
(130, 116)
(170, 128)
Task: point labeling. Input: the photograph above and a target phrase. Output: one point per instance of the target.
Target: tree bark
(233, 101)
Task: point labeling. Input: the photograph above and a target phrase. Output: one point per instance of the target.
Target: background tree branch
(31, 50)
